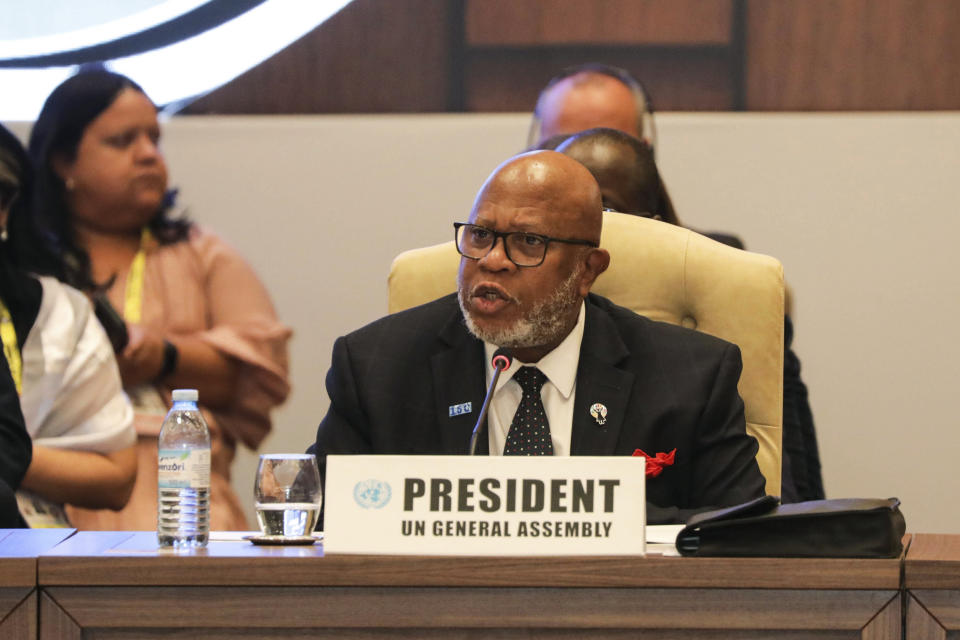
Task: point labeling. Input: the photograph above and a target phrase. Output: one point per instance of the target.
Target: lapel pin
(599, 413)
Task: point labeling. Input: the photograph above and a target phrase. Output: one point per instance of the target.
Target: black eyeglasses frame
(506, 247)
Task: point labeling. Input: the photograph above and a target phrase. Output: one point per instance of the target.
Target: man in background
(590, 96)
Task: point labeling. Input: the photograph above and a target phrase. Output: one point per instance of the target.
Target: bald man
(530, 254)
(586, 100)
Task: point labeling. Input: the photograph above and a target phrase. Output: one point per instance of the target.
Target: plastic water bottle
(183, 481)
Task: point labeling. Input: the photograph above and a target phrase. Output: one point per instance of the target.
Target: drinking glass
(287, 494)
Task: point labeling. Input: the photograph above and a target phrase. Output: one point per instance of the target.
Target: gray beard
(543, 324)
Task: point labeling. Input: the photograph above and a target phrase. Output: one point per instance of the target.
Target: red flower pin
(655, 464)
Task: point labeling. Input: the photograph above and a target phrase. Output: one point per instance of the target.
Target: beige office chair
(671, 274)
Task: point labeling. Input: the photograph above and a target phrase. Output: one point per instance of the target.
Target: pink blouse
(203, 288)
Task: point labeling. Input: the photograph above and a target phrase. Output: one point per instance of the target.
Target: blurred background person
(63, 367)
(593, 96)
(184, 310)
(624, 167)
(629, 182)
(588, 96)
(15, 448)
(625, 170)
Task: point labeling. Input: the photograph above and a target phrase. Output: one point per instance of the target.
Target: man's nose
(496, 259)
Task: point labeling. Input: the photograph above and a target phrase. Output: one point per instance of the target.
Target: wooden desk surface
(19, 549)
(931, 576)
(933, 562)
(120, 558)
(122, 585)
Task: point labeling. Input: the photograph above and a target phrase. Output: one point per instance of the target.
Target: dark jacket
(16, 450)
(392, 382)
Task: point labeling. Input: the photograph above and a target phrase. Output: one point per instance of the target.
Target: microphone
(501, 361)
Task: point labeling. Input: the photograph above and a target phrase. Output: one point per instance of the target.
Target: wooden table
(118, 585)
(19, 549)
(931, 576)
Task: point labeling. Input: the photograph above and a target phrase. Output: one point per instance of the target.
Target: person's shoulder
(426, 318)
(633, 326)
(199, 239)
(202, 234)
(64, 318)
(57, 296)
(203, 247)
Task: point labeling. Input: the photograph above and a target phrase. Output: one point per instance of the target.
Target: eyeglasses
(523, 249)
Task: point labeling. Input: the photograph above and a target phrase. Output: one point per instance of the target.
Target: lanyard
(8, 334)
(133, 297)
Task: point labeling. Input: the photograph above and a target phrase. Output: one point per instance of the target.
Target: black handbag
(844, 528)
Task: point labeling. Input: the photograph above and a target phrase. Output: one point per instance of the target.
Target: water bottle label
(184, 469)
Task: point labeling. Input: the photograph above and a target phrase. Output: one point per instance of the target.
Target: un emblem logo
(371, 494)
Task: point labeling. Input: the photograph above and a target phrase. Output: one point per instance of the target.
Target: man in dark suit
(614, 383)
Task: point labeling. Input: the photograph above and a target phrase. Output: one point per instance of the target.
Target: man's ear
(596, 262)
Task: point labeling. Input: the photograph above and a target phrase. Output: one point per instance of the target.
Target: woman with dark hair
(62, 364)
(183, 308)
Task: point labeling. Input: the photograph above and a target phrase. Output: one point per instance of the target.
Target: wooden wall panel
(373, 56)
(853, 54)
(539, 22)
(401, 56)
(511, 80)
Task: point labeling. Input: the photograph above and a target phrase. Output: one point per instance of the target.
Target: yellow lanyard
(8, 334)
(133, 298)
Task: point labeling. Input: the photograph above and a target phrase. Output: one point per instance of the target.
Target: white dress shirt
(558, 393)
(72, 394)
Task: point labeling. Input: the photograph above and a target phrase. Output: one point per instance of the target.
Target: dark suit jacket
(15, 449)
(392, 382)
(802, 479)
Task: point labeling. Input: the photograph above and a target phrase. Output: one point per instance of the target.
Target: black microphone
(501, 361)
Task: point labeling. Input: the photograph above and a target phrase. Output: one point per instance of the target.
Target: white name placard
(485, 505)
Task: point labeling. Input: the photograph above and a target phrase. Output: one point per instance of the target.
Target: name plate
(485, 505)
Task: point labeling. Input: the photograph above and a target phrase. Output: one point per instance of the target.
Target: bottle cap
(185, 395)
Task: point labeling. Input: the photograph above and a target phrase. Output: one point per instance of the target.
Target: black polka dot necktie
(529, 433)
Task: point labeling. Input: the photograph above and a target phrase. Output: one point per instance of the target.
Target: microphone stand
(501, 362)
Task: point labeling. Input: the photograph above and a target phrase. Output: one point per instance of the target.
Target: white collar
(560, 365)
